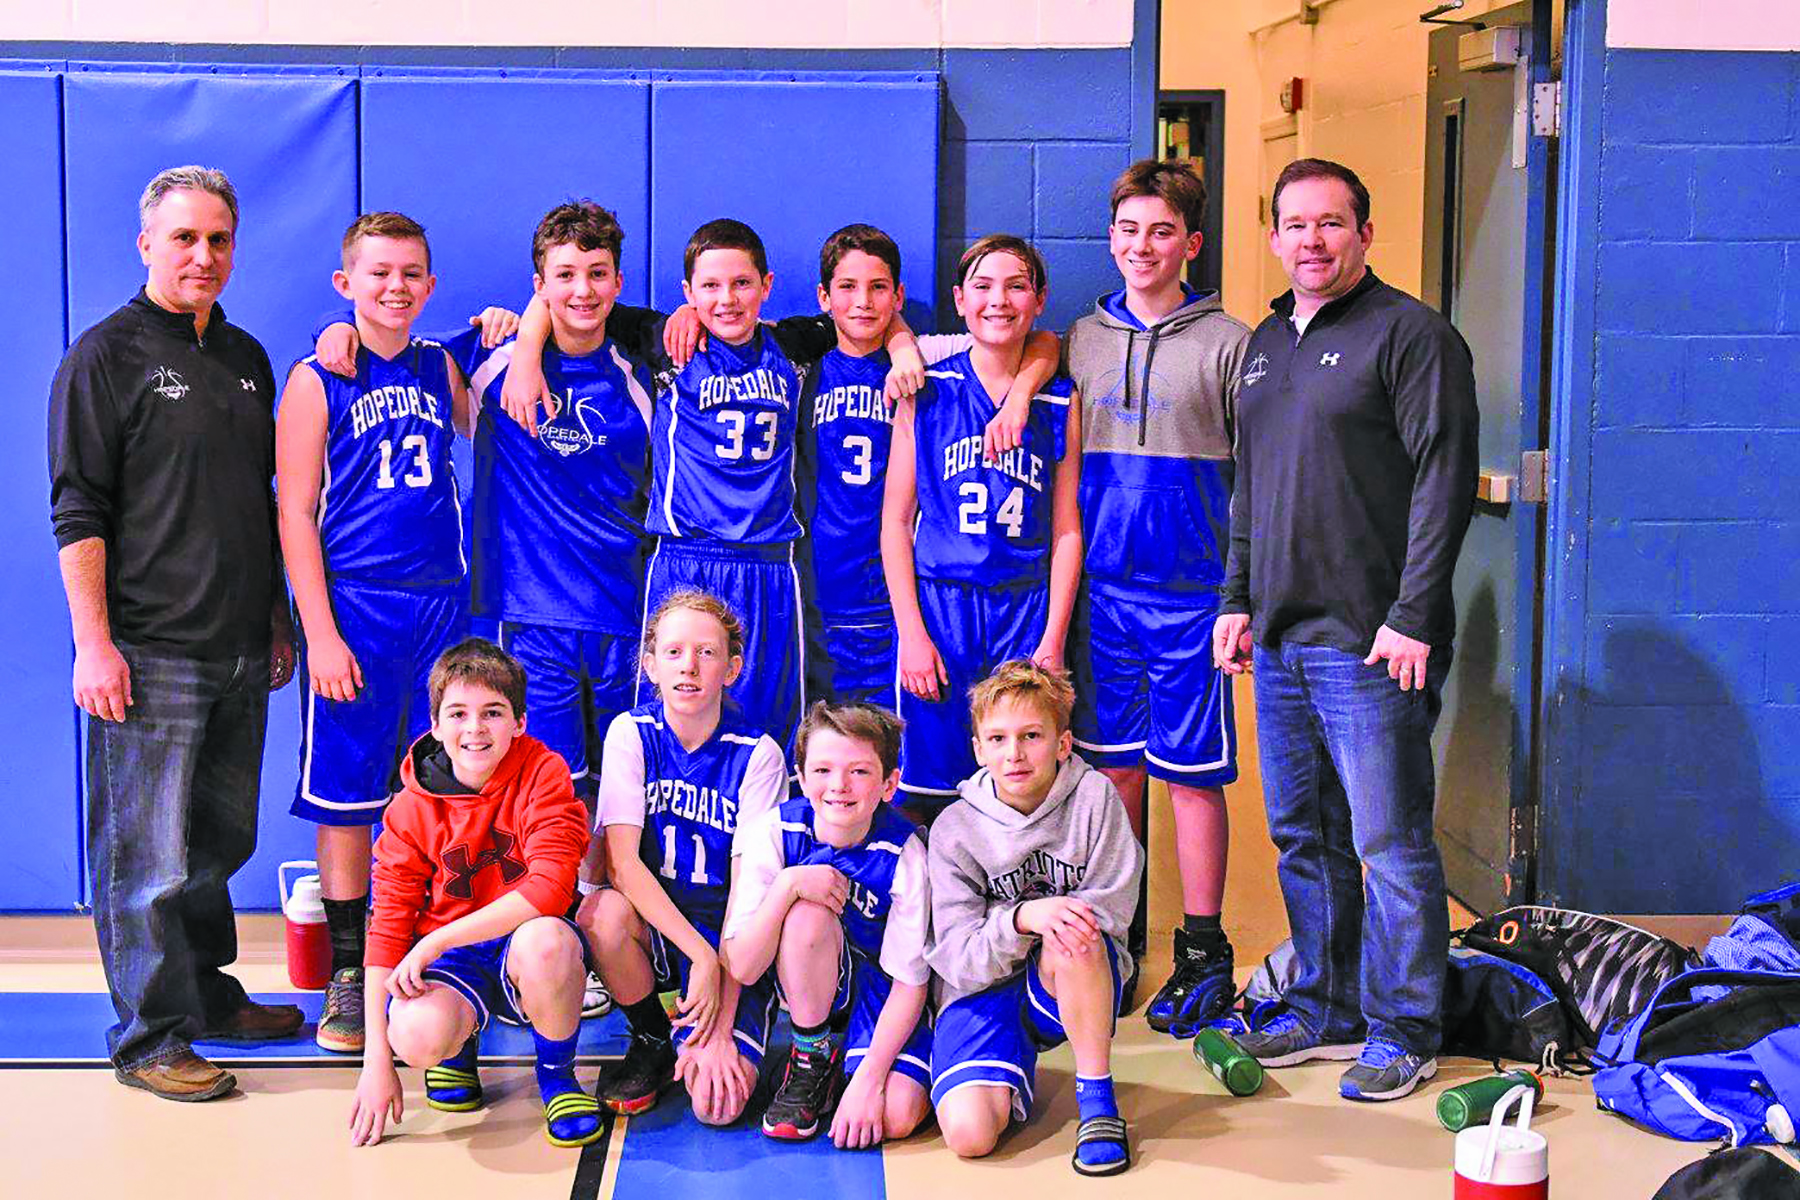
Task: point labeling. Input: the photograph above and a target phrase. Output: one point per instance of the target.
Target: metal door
(1486, 244)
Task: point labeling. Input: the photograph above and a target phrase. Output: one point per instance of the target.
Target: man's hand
(820, 884)
(336, 349)
(1231, 643)
(1049, 654)
(922, 667)
(1064, 921)
(102, 682)
(699, 1004)
(861, 1119)
(407, 980)
(1405, 658)
(378, 1100)
(683, 335)
(496, 324)
(717, 1077)
(336, 675)
(281, 658)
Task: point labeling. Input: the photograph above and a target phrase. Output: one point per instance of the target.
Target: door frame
(1209, 265)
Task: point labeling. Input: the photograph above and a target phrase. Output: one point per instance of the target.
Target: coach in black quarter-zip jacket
(1356, 463)
(162, 448)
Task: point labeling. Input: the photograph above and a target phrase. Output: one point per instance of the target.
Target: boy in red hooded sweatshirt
(473, 873)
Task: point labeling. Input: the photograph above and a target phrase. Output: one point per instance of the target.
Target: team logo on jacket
(168, 384)
(1255, 369)
(571, 429)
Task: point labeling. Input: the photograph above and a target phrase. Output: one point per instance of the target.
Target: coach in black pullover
(162, 451)
(1355, 481)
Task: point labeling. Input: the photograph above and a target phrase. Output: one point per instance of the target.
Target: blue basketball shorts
(993, 1038)
(756, 1003)
(576, 682)
(862, 991)
(1146, 690)
(350, 751)
(477, 972)
(761, 585)
(975, 629)
(865, 662)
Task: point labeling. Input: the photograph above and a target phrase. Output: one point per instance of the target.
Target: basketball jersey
(559, 518)
(388, 508)
(845, 431)
(723, 448)
(695, 801)
(868, 867)
(979, 523)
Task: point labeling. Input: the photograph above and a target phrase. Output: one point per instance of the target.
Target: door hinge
(1534, 476)
(1546, 110)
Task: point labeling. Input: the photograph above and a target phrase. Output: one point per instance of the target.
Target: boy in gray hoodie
(1034, 876)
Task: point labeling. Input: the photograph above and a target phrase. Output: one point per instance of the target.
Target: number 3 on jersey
(972, 512)
(697, 876)
(767, 424)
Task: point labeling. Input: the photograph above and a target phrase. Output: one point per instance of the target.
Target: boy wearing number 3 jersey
(982, 557)
(371, 531)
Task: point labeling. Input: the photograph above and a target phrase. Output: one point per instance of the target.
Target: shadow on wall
(1671, 813)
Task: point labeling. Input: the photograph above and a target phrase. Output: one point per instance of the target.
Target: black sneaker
(809, 1090)
(1199, 989)
(634, 1083)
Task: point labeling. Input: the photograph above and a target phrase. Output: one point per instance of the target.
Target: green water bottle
(1472, 1103)
(1219, 1053)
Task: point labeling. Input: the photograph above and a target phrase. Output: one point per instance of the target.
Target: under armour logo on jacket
(1329, 359)
(461, 887)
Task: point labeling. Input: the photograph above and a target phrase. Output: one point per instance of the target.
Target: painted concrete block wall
(686, 23)
(1690, 673)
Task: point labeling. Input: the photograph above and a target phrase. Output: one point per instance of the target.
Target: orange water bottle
(303, 912)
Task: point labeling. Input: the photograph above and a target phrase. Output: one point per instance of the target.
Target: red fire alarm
(1293, 95)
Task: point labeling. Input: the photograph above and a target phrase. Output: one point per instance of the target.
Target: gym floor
(70, 1130)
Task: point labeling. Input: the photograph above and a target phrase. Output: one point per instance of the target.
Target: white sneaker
(596, 1001)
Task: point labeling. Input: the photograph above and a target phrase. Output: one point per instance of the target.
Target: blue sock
(454, 1085)
(1094, 1096)
(555, 1065)
(571, 1116)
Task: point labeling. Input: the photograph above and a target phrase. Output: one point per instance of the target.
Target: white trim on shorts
(1226, 732)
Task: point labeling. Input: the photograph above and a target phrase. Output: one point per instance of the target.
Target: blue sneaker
(1385, 1071)
(1199, 989)
(1286, 1041)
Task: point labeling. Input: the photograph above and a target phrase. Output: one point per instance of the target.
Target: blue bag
(1700, 1070)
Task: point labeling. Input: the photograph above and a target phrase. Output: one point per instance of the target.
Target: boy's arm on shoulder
(974, 943)
(805, 339)
(639, 332)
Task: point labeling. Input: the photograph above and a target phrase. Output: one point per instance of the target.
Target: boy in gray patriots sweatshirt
(1034, 876)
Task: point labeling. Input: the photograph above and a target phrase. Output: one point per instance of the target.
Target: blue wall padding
(479, 160)
(289, 144)
(40, 863)
(796, 160)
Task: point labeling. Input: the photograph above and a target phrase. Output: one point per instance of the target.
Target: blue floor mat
(69, 1029)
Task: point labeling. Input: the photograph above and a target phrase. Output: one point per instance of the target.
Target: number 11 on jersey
(697, 876)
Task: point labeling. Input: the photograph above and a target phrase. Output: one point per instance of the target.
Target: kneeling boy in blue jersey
(832, 890)
(1034, 877)
(473, 872)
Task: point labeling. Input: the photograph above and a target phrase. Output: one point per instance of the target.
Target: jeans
(1349, 784)
(171, 797)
